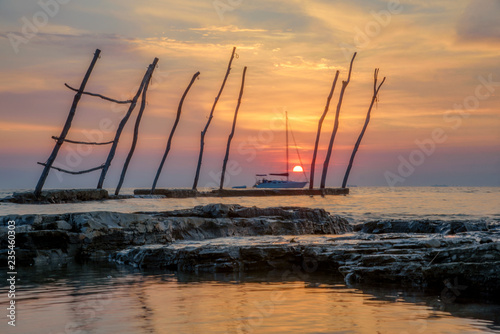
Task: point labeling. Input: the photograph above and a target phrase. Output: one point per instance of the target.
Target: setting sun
(166, 136)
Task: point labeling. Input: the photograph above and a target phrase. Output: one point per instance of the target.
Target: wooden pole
(358, 142)
(203, 133)
(169, 142)
(320, 124)
(336, 125)
(122, 124)
(83, 142)
(67, 126)
(71, 172)
(136, 127)
(99, 95)
(226, 157)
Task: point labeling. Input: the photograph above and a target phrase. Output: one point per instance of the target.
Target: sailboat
(264, 182)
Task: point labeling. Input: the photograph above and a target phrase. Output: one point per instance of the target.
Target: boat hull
(275, 184)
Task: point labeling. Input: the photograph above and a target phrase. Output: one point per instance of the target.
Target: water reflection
(92, 299)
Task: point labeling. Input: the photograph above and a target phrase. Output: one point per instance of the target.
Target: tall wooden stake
(122, 124)
(203, 133)
(136, 127)
(226, 157)
(320, 124)
(336, 126)
(358, 142)
(67, 126)
(169, 142)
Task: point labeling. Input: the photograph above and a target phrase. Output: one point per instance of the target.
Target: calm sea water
(87, 299)
(362, 204)
(110, 299)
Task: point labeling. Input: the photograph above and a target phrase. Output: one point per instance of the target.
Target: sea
(110, 298)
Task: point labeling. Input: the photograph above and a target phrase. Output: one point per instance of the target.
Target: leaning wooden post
(122, 124)
(169, 142)
(67, 126)
(320, 124)
(203, 133)
(136, 127)
(336, 126)
(226, 157)
(358, 142)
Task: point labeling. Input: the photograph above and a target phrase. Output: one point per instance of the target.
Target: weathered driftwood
(83, 142)
(231, 135)
(71, 172)
(136, 127)
(122, 124)
(67, 126)
(358, 142)
(336, 125)
(320, 124)
(176, 122)
(204, 132)
(99, 95)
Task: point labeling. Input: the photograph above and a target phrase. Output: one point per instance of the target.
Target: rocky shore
(54, 239)
(228, 238)
(59, 196)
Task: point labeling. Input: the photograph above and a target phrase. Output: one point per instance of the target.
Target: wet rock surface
(217, 238)
(58, 196)
(425, 226)
(49, 239)
(410, 260)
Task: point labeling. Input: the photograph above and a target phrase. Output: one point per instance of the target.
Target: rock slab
(55, 239)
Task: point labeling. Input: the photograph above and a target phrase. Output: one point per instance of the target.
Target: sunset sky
(437, 120)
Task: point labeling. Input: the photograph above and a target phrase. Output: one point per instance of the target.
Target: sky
(436, 120)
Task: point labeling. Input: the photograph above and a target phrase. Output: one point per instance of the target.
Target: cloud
(292, 49)
(23, 127)
(480, 22)
(229, 28)
(299, 63)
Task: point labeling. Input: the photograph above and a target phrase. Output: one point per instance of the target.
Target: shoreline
(230, 238)
(62, 196)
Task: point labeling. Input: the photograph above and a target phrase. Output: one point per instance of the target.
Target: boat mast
(287, 169)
